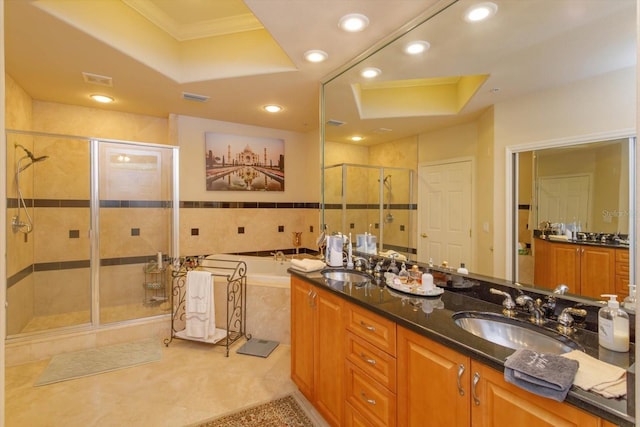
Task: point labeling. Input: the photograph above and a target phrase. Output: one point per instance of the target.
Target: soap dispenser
(629, 302)
(462, 269)
(613, 326)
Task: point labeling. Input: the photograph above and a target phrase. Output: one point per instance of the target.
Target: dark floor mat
(258, 347)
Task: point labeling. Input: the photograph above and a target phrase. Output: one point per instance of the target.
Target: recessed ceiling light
(353, 22)
(370, 72)
(102, 98)
(480, 12)
(315, 55)
(356, 138)
(416, 47)
(272, 108)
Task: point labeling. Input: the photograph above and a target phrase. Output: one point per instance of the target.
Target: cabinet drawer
(353, 418)
(622, 285)
(371, 360)
(373, 401)
(622, 255)
(622, 268)
(375, 329)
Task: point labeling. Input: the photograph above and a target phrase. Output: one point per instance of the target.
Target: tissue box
(631, 390)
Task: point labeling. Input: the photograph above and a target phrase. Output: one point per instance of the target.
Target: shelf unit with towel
(228, 273)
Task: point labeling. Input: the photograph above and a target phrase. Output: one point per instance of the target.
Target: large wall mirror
(538, 74)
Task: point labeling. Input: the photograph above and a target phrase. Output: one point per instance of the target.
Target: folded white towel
(307, 265)
(198, 291)
(199, 305)
(598, 376)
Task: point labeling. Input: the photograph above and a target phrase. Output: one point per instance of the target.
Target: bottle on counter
(613, 326)
(462, 269)
(629, 302)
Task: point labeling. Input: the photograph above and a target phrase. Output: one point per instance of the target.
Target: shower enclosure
(372, 199)
(82, 229)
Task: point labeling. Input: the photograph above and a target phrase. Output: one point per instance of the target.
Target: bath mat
(68, 366)
(257, 347)
(282, 412)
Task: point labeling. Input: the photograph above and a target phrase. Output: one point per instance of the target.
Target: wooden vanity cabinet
(436, 387)
(587, 270)
(622, 272)
(370, 369)
(317, 349)
(433, 383)
(502, 404)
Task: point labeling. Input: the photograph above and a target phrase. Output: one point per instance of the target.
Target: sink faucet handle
(565, 320)
(508, 304)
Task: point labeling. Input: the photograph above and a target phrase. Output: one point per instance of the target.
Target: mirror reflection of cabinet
(587, 270)
(592, 193)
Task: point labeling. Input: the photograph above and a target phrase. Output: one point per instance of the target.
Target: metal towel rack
(234, 274)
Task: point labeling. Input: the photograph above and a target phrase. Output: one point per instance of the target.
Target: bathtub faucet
(279, 256)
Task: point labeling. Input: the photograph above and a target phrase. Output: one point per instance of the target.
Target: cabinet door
(302, 336)
(564, 265)
(501, 404)
(329, 338)
(433, 383)
(597, 271)
(541, 263)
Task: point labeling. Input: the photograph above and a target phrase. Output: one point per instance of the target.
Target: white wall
(586, 110)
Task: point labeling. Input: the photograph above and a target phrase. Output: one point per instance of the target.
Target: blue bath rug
(258, 347)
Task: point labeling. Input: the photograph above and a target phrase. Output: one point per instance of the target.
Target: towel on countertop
(307, 265)
(199, 305)
(547, 375)
(599, 377)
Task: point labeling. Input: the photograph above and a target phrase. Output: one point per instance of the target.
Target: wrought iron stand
(234, 273)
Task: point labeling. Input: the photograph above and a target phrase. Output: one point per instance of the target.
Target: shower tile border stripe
(397, 206)
(12, 203)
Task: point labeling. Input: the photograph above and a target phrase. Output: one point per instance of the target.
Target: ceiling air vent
(333, 122)
(194, 97)
(97, 79)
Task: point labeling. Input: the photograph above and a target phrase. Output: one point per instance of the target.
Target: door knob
(424, 235)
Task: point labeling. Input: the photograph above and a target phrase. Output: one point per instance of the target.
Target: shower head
(30, 156)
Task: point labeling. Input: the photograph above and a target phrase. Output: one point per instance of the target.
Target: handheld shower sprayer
(17, 225)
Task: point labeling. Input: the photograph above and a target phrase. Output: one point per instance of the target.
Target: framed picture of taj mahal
(243, 163)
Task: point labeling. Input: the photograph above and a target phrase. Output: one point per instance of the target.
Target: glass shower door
(135, 185)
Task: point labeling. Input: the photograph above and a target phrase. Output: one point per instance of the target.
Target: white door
(444, 213)
(564, 199)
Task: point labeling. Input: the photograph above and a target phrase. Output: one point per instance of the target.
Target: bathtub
(262, 271)
(268, 310)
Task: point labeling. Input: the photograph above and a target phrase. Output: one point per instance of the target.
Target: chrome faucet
(533, 306)
(359, 261)
(508, 304)
(549, 306)
(565, 320)
(279, 256)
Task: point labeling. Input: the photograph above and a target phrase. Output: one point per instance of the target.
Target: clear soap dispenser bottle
(629, 302)
(613, 326)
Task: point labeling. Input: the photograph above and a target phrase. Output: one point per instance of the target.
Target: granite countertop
(431, 317)
(606, 244)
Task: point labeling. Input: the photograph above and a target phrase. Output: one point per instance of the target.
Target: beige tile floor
(192, 382)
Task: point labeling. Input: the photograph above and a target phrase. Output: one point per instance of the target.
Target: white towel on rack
(199, 305)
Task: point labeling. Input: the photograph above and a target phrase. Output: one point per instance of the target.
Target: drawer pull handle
(367, 327)
(366, 359)
(476, 378)
(369, 401)
(460, 372)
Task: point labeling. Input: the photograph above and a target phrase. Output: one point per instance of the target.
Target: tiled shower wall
(210, 222)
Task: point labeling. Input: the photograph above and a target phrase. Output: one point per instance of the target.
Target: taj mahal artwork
(243, 163)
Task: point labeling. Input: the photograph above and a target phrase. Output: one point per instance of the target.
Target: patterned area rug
(281, 412)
